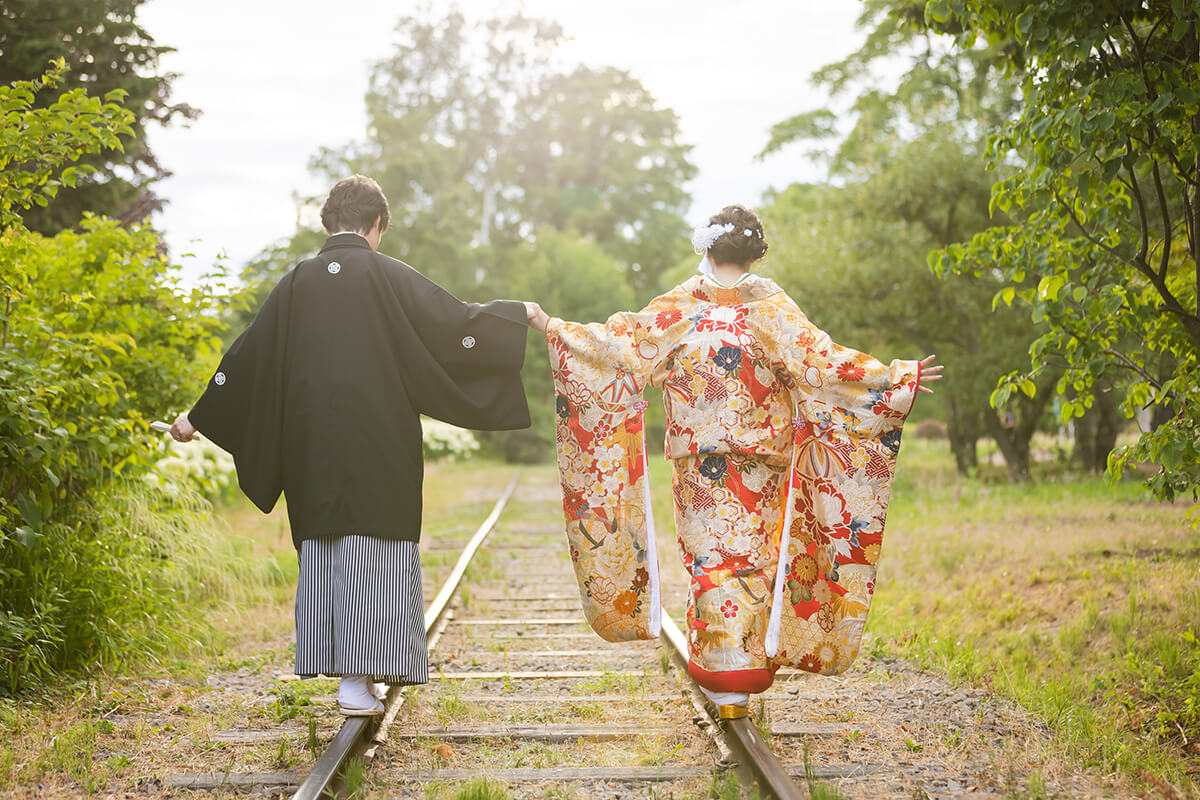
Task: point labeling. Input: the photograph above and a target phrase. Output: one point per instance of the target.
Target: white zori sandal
(356, 697)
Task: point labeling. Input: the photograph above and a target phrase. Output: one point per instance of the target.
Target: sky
(276, 81)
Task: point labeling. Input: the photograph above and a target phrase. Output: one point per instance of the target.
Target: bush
(97, 341)
(130, 573)
(443, 440)
(96, 338)
(930, 429)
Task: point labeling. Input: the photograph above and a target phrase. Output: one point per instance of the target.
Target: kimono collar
(748, 289)
(346, 239)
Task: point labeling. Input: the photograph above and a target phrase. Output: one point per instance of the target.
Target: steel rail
(749, 747)
(356, 732)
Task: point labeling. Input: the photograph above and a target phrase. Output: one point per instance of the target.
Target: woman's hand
(536, 318)
(182, 430)
(930, 372)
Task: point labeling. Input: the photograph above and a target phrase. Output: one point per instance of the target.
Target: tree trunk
(963, 445)
(1013, 440)
(962, 429)
(1013, 445)
(1096, 432)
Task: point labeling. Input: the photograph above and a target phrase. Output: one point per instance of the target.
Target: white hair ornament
(704, 236)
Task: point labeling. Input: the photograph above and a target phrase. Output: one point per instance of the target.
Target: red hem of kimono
(916, 391)
(750, 681)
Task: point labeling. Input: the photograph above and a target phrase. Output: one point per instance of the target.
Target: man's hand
(182, 430)
(930, 372)
(536, 318)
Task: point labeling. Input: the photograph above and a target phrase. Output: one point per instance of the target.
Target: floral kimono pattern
(783, 443)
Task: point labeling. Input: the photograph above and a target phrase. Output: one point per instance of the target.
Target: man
(319, 398)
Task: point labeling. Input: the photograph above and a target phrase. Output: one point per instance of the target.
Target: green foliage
(573, 279)
(1105, 160)
(96, 342)
(483, 789)
(96, 338)
(1088, 618)
(127, 573)
(475, 154)
(817, 788)
(907, 176)
(37, 145)
(108, 52)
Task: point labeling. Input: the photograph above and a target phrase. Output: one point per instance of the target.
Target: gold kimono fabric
(783, 441)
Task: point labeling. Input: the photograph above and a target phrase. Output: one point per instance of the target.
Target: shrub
(96, 337)
(442, 440)
(930, 429)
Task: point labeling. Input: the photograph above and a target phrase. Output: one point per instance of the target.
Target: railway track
(526, 696)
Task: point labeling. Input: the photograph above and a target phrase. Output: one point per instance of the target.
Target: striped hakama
(359, 610)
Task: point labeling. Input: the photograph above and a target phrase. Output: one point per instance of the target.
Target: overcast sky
(277, 80)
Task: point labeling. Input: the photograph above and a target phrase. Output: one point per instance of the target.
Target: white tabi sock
(727, 698)
(355, 692)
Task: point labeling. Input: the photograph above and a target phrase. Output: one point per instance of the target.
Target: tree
(96, 336)
(105, 50)
(574, 279)
(1105, 160)
(596, 154)
(478, 141)
(910, 179)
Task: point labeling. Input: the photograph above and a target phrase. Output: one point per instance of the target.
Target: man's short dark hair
(354, 204)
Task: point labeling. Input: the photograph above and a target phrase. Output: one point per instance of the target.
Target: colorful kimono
(781, 441)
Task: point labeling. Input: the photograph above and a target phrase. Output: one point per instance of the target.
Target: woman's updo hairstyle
(743, 244)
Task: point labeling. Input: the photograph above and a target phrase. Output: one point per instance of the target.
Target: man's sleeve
(466, 336)
(464, 366)
(241, 409)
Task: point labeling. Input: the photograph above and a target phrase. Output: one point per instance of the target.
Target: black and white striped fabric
(359, 610)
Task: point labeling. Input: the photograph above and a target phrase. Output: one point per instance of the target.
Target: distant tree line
(1042, 157)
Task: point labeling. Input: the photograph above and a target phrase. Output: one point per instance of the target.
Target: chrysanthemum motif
(828, 653)
(821, 592)
(849, 371)
(804, 569)
(667, 318)
(810, 663)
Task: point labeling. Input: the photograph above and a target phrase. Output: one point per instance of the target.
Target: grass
(451, 706)
(354, 779)
(609, 682)
(1078, 599)
(724, 786)
(483, 789)
(819, 789)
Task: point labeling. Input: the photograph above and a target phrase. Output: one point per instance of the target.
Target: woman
(781, 442)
